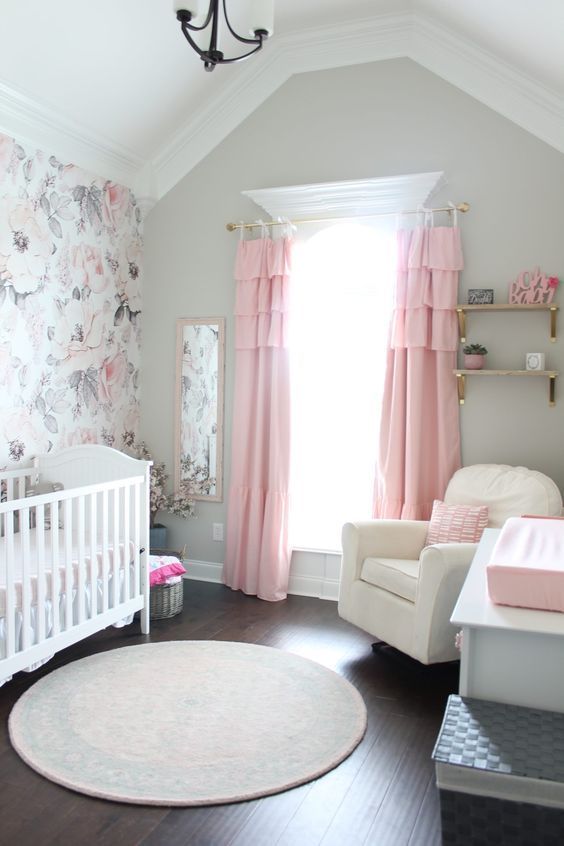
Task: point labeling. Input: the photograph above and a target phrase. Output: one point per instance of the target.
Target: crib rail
(14, 483)
(71, 562)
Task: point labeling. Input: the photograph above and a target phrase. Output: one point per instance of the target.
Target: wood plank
(550, 373)
(506, 307)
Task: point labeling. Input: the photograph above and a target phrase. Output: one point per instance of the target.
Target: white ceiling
(113, 86)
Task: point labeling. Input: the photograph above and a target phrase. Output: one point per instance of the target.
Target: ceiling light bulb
(191, 6)
(262, 17)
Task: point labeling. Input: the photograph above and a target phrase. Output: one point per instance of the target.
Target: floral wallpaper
(70, 303)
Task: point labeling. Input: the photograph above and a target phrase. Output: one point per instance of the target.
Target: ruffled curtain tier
(419, 433)
(257, 558)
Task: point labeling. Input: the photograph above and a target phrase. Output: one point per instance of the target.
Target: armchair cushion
(507, 491)
(396, 575)
(457, 523)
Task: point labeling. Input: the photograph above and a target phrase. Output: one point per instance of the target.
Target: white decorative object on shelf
(535, 361)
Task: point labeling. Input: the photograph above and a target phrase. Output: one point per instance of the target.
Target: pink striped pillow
(457, 523)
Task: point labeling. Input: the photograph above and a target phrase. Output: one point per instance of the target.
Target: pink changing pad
(526, 567)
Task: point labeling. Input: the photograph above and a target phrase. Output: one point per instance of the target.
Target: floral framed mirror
(200, 363)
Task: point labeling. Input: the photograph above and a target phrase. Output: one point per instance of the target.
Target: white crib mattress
(60, 566)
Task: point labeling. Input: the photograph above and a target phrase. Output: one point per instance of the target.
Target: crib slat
(93, 556)
(68, 564)
(136, 539)
(126, 543)
(44, 568)
(116, 555)
(55, 566)
(26, 577)
(105, 561)
(81, 562)
(10, 599)
(40, 544)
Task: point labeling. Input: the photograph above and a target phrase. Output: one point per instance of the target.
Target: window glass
(343, 281)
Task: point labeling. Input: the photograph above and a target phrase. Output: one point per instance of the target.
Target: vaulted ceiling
(113, 86)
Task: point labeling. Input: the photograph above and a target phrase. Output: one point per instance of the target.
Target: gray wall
(372, 120)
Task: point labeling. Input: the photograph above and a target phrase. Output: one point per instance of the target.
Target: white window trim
(357, 198)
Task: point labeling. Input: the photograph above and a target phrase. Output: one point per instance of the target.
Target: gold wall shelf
(549, 374)
(461, 310)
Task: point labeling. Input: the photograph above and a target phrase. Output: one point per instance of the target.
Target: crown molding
(516, 96)
(37, 124)
(313, 49)
(513, 94)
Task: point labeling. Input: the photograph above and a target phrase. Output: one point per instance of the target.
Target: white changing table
(512, 655)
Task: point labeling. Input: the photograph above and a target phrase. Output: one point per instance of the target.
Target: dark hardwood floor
(382, 795)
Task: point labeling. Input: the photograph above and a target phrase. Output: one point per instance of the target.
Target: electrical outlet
(217, 531)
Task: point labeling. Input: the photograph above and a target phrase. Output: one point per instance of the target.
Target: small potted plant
(474, 356)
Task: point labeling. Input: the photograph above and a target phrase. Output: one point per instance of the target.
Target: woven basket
(166, 600)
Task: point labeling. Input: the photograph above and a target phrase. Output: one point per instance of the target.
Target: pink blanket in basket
(163, 567)
(526, 567)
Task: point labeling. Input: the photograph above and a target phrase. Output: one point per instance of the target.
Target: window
(343, 280)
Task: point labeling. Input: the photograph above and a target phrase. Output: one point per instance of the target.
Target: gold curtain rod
(231, 227)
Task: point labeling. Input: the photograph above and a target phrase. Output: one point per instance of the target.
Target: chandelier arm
(239, 58)
(193, 27)
(258, 40)
(192, 43)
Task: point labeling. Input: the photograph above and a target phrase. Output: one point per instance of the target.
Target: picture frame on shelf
(480, 296)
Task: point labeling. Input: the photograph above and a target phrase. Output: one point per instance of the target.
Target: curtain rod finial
(463, 207)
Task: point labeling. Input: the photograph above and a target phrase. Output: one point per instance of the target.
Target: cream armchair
(403, 592)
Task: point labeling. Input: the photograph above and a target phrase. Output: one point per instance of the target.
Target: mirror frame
(181, 324)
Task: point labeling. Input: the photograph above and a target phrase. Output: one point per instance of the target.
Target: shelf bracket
(461, 383)
(461, 324)
(553, 310)
(552, 390)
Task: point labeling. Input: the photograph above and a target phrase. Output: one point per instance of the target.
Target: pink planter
(474, 362)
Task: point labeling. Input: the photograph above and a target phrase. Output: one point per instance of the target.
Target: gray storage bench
(500, 773)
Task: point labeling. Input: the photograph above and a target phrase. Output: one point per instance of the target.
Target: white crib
(74, 560)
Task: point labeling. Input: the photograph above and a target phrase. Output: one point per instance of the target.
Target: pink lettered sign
(532, 286)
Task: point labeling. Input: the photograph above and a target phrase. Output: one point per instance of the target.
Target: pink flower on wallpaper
(82, 435)
(26, 245)
(87, 268)
(77, 339)
(115, 204)
(112, 378)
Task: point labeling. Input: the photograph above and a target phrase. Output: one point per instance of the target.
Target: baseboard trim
(313, 586)
(319, 588)
(204, 571)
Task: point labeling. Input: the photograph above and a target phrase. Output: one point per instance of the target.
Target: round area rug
(187, 723)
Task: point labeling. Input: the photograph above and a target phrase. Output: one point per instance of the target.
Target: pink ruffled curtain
(257, 559)
(419, 432)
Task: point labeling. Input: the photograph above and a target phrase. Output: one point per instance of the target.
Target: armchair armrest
(442, 571)
(378, 538)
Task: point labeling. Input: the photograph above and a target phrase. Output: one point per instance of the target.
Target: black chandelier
(261, 27)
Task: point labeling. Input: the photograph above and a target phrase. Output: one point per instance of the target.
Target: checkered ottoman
(500, 774)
